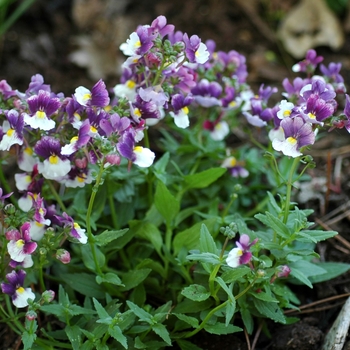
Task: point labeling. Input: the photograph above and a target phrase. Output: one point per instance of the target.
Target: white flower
(10, 137)
(285, 109)
(23, 181)
(37, 230)
(144, 157)
(221, 130)
(26, 160)
(233, 258)
(181, 118)
(22, 295)
(54, 167)
(82, 95)
(131, 46)
(202, 54)
(39, 121)
(127, 90)
(25, 203)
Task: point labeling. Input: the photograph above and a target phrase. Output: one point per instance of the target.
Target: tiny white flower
(131, 45)
(285, 109)
(22, 181)
(233, 257)
(181, 119)
(221, 130)
(127, 90)
(22, 295)
(54, 167)
(144, 157)
(39, 121)
(82, 95)
(202, 54)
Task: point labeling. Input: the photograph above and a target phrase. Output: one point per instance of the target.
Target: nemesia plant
(134, 206)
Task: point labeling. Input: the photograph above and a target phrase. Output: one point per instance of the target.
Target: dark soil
(42, 40)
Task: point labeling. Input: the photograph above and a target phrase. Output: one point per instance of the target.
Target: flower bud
(63, 256)
(48, 296)
(10, 209)
(31, 315)
(283, 271)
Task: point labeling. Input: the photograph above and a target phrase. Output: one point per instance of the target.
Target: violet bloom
(95, 118)
(320, 88)
(333, 76)
(76, 232)
(240, 255)
(180, 105)
(40, 210)
(4, 196)
(196, 51)
(254, 116)
(20, 243)
(36, 84)
(15, 290)
(97, 97)
(6, 90)
(79, 141)
(41, 107)
(114, 124)
(317, 110)
(309, 64)
(296, 134)
(12, 129)
(207, 94)
(160, 26)
(55, 165)
(234, 168)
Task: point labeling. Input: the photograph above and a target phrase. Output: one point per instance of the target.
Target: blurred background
(76, 42)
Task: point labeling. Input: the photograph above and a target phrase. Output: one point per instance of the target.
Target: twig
(247, 339)
(257, 334)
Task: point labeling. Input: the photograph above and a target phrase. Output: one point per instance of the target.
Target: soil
(45, 37)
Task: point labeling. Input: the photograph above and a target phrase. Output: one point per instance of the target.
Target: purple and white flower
(241, 254)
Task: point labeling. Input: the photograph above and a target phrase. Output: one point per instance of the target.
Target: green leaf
(149, 232)
(192, 321)
(204, 178)
(189, 238)
(333, 269)
(270, 310)
(111, 278)
(88, 257)
(186, 345)
(28, 338)
(205, 258)
(190, 306)
(74, 336)
(221, 328)
(233, 275)
(108, 236)
(101, 312)
(230, 310)
(133, 278)
(161, 330)
(275, 223)
(264, 297)
(247, 320)
(196, 292)
(225, 288)
(206, 241)
(83, 283)
(272, 204)
(315, 235)
(118, 335)
(139, 312)
(167, 205)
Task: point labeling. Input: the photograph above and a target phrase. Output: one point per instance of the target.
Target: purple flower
(40, 210)
(97, 97)
(75, 231)
(296, 134)
(6, 90)
(41, 107)
(20, 244)
(207, 94)
(15, 290)
(309, 64)
(37, 84)
(320, 88)
(4, 196)
(160, 26)
(55, 165)
(114, 124)
(235, 169)
(240, 255)
(12, 130)
(196, 51)
(317, 110)
(180, 105)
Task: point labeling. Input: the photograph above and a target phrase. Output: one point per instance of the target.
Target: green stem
(289, 188)
(112, 206)
(88, 218)
(20, 328)
(159, 72)
(41, 278)
(57, 196)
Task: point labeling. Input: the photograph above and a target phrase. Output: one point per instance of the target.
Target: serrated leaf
(108, 236)
(204, 178)
(233, 275)
(315, 235)
(111, 278)
(189, 238)
(230, 310)
(192, 321)
(247, 320)
(74, 336)
(83, 283)
(264, 297)
(88, 258)
(118, 335)
(206, 241)
(333, 269)
(101, 312)
(205, 258)
(161, 330)
(167, 205)
(270, 310)
(133, 278)
(142, 314)
(221, 328)
(196, 292)
(275, 223)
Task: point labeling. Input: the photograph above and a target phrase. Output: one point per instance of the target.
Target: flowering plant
(138, 207)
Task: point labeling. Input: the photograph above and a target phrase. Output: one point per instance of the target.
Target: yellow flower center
(137, 112)
(20, 243)
(286, 113)
(10, 132)
(87, 97)
(292, 140)
(74, 139)
(130, 84)
(185, 110)
(40, 114)
(77, 116)
(28, 150)
(20, 290)
(137, 44)
(54, 159)
(76, 226)
(138, 149)
(93, 129)
(311, 116)
(233, 162)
